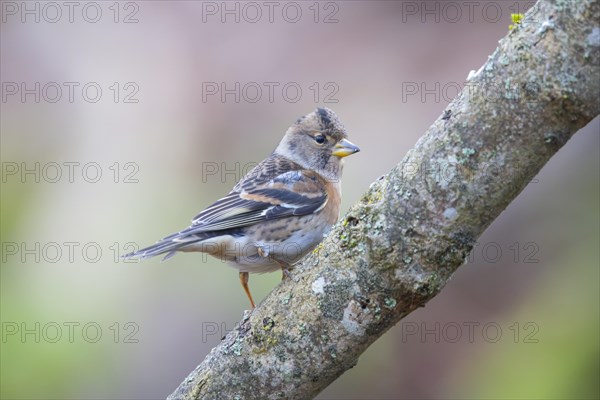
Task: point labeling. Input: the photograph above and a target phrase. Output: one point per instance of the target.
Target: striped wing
(276, 188)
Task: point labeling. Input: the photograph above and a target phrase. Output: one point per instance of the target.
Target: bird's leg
(285, 270)
(285, 267)
(244, 276)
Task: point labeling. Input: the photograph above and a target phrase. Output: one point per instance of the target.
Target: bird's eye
(319, 138)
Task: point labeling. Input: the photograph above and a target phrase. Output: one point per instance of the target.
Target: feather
(262, 196)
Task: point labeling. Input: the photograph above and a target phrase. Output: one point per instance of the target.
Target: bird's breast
(331, 211)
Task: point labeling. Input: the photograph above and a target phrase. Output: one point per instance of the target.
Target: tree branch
(398, 246)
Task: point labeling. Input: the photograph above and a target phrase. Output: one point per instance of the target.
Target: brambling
(280, 210)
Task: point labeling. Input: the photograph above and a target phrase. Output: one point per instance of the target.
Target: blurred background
(121, 120)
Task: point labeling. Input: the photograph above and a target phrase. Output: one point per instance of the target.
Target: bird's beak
(344, 148)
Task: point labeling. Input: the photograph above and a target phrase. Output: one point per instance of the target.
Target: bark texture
(398, 246)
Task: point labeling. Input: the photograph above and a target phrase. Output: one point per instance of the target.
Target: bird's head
(318, 141)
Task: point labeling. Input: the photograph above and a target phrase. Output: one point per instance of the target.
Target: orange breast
(331, 211)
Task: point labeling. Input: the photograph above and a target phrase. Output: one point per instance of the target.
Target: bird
(279, 211)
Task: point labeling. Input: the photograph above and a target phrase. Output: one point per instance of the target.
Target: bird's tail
(169, 245)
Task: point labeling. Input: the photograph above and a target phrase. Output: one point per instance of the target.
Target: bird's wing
(273, 189)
